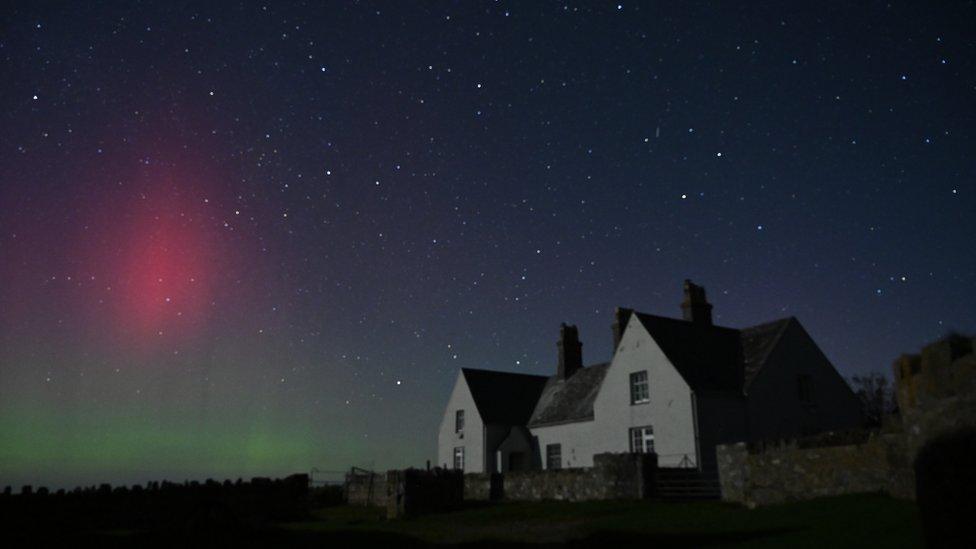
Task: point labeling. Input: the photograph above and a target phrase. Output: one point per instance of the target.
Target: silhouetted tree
(877, 394)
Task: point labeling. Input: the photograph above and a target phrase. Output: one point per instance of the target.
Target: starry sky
(247, 238)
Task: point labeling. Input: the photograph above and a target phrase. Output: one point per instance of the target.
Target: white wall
(669, 411)
(473, 436)
(577, 440)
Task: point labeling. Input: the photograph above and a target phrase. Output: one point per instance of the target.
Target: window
(638, 388)
(642, 440)
(804, 388)
(459, 458)
(459, 421)
(554, 456)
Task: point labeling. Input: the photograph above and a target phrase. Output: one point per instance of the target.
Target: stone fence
(412, 492)
(365, 488)
(936, 391)
(613, 476)
(483, 486)
(790, 473)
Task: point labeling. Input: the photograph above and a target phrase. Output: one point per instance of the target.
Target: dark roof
(502, 397)
(708, 357)
(569, 400)
(713, 358)
(757, 342)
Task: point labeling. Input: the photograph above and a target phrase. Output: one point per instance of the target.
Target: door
(517, 461)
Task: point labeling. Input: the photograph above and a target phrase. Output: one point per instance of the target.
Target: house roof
(569, 400)
(714, 358)
(503, 397)
(708, 357)
(757, 342)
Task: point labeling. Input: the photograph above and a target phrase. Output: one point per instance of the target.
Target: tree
(877, 394)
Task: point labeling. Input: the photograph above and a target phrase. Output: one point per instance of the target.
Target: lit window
(638, 388)
(554, 456)
(642, 440)
(459, 458)
(459, 421)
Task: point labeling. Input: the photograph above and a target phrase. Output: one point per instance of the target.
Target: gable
(708, 357)
(798, 391)
(460, 399)
(794, 346)
(668, 409)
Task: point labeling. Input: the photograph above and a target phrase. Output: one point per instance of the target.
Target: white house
(676, 387)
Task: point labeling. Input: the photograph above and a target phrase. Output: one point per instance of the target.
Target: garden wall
(790, 473)
(613, 476)
(936, 390)
(412, 492)
(365, 488)
(936, 393)
(482, 486)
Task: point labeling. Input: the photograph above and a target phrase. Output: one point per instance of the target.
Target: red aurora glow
(169, 261)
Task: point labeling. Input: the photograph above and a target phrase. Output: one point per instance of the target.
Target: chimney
(696, 308)
(570, 352)
(620, 318)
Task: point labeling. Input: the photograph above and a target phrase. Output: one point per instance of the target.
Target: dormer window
(639, 393)
(459, 422)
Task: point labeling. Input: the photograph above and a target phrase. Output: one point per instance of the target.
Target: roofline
(604, 363)
(666, 357)
(683, 321)
(635, 312)
(503, 372)
(825, 357)
(774, 321)
(563, 422)
(776, 339)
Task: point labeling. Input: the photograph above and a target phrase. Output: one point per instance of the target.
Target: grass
(837, 522)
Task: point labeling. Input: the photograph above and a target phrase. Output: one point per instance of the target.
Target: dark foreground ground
(847, 521)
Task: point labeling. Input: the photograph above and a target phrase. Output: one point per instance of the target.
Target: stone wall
(574, 484)
(936, 390)
(365, 488)
(413, 492)
(790, 473)
(613, 476)
(936, 393)
(482, 486)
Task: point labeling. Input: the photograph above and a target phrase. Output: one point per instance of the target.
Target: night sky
(252, 239)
